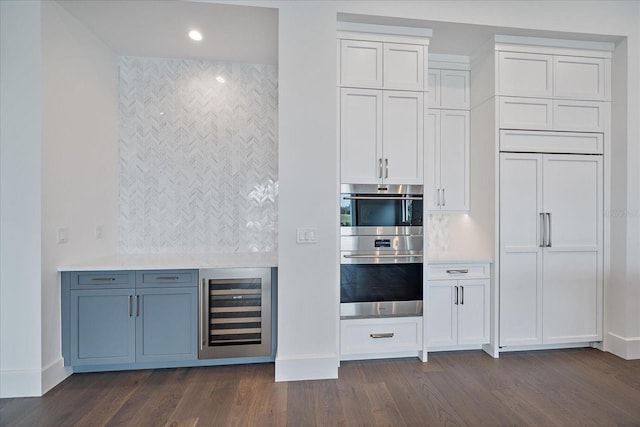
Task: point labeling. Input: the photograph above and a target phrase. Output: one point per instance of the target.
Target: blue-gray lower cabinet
(128, 318)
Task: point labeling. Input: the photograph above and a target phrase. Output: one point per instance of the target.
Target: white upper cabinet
(381, 134)
(448, 89)
(552, 76)
(360, 63)
(579, 78)
(371, 64)
(525, 74)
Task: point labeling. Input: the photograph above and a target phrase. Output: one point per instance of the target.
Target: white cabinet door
(433, 87)
(525, 74)
(580, 78)
(402, 131)
(442, 316)
(360, 136)
(572, 188)
(454, 89)
(360, 63)
(473, 312)
(403, 66)
(454, 160)
(520, 251)
(432, 155)
(579, 116)
(526, 113)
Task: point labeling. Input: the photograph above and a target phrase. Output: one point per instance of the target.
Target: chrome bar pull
(444, 202)
(456, 300)
(129, 305)
(458, 271)
(382, 198)
(382, 335)
(548, 229)
(386, 168)
(384, 256)
(438, 197)
(542, 230)
(167, 278)
(103, 279)
(461, 295)
(380, 168)
(137, 305)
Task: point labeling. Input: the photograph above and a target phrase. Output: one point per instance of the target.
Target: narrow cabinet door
(454, 160)
(473, 312)
(102, 326)
(573, 259)
(402, 128)
(442, 315)
(520, 249)
(361, 159)
(432, 159)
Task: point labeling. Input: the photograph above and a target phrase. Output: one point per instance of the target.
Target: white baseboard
(627, 348)
(307, 367)
(54, 374)
(21, 383)
(32, 382)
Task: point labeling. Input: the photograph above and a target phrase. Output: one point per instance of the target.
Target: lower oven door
(381, 289)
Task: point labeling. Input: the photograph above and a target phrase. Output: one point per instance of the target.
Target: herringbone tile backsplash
(198, 158)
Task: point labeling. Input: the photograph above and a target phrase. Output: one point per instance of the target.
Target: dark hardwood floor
(555, 388)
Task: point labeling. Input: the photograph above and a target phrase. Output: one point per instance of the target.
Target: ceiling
(154, 28)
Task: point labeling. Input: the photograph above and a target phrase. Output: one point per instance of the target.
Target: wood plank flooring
(581, 387)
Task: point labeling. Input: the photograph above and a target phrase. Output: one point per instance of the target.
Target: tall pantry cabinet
(549, 103)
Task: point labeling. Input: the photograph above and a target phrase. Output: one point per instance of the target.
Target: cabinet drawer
(436, 271)
(103, 279)
(168, 278)
(526, 113)
(551, 142)
(389, 335)
(579, 116)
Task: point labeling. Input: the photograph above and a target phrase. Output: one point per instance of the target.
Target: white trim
(416, 32)
(307, 367)
(21, 383)
(54, 373)
(400, 354)
(627, 348)
(557, 43)
(545, 347)
(449, 62)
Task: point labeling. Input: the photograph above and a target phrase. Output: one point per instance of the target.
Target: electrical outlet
(99, 231)
(62, 235)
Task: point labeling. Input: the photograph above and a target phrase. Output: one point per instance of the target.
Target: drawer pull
(458, 271)
(383, 335)
(167, 278)
(103, 279)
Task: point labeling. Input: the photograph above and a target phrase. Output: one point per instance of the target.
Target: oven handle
(382, 198)
(383, 256)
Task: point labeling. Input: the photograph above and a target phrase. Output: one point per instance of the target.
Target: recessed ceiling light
(220, 79)
(195, 35)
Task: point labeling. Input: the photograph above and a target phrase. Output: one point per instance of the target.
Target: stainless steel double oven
(381, 250)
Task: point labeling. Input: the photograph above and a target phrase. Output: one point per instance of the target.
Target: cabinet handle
(137, 305)
(458, 271)
(461, 295)
(103, 279)
(382, 335)
(548, 230)
(456, 301)
(380, 168)
(438, 197)
(129, 305)
(444, 202)
(167, 278)
(386, 168)
(542, 230)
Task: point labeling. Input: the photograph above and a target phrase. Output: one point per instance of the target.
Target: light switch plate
(62, 234)
(305, 235)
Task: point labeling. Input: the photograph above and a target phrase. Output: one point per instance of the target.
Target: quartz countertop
(174, 261)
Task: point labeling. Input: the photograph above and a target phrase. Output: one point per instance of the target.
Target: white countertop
(174, 261)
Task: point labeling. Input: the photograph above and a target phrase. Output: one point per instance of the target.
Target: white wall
(20, 313)
(80, 152)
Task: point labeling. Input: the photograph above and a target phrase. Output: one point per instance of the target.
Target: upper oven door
(380, 210)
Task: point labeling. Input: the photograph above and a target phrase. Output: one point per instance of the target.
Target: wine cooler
(235, 312)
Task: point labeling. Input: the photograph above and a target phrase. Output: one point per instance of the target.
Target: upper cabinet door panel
(454, 89)
(454, 160)
(403, 66)
(360, 136)
(360, 63)
(525, 74)
(402, 130)
(433, 87)
(579, 78)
